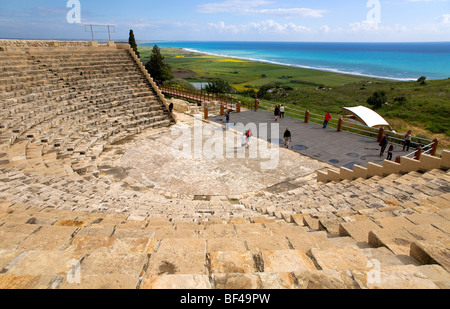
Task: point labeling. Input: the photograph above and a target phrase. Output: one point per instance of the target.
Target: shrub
(377, 99)
(219, 86)
(422, 80)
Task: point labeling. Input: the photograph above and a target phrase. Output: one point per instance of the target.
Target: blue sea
(396, 61)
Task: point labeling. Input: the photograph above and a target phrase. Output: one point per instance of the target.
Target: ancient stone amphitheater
(78, 209)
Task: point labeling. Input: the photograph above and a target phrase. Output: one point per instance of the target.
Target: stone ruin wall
(20, 45)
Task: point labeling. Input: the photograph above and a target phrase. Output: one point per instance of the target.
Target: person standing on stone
(282, 111)
(171, 107)
(287, 138)
(248, 135)
(407, 141)
(383, 144)
(327, 119)
(276, 112)
(390, 152)
(227, 119)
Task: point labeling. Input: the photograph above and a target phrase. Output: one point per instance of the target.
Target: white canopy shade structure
(366, 116)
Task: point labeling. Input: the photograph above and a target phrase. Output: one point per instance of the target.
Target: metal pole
(92, 32)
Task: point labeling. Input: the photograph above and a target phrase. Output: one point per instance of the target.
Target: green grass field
(423, 108)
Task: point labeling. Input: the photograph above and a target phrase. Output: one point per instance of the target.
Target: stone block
(176, 282)
(340, 258)
(445, 163)
(359, 172)
(313, 223)
(393, 277)
(48, 238)
(237, 281)
(218, 231)
(358, 230)
(409, 165)
(437, 274)
(330, 225)
(322, 176)
(52, 263)
(383, 255)
(256, 243)
(428, 162)
(225, 244)
(325, 279)
(432, 252)
(310, 240)
(19, 282)
(286, 261)
(346, 174)
(224, 262)
(112, 281)
(398, 240)
(334, 175)
(374, 170)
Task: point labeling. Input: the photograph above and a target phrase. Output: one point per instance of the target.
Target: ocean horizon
(393, 61)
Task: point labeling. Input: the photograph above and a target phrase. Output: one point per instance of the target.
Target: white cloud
(445, 19)
(266, 26)
(303, 12)
(221, 27)
(231, 6)
(256, 7)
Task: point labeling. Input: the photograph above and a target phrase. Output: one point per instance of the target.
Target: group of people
(383, 144)
(279, 112)
(406, 144)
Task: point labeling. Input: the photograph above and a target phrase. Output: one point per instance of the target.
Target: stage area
(174, 160)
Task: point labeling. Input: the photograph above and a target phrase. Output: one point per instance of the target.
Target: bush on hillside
(377, 99)
(422, 80)
(219, 86)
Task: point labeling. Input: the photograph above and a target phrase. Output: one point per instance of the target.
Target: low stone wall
(40, 43)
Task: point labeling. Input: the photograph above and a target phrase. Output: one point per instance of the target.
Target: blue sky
(233, 20)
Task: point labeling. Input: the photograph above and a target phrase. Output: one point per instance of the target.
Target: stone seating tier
(42, 245)
(59, 97)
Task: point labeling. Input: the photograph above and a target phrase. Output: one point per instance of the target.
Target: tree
(377, 99)
(157, 68)
(219, 86)
(132, 42)
(422, 80)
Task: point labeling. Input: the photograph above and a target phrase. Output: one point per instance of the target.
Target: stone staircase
(57, 248)
(67, 223)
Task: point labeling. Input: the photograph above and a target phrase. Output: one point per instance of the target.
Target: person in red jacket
(327, 119)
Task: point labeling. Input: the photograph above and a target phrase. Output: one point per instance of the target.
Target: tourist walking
(282, 111)
(407, 141)
(383, 144)
(276, 112)
(287, 138)
(248, 136)
(390, 152)
(227, 120)
(327, 119)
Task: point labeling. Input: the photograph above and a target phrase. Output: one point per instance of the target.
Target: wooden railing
(225, 101)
